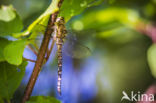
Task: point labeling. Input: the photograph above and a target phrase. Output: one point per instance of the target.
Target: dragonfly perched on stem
(75, 50)
(59, 35)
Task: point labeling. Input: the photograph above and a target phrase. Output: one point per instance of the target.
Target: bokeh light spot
(83, 4)
(78, 25)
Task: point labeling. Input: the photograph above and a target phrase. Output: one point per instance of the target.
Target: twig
(41, 55)
(49, 51)
(29, 60)
(29, 46)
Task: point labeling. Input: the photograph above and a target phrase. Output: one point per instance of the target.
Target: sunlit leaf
(10, 78)
(118, 35)
(3, 43)
(7, 13)
(43, 99)
(106, 19)
(34, 28)
(13, 52)
(152, 59)
(10, 21)
(71, 8)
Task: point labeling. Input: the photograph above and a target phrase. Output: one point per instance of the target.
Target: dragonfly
(74, 49)
(59, 35)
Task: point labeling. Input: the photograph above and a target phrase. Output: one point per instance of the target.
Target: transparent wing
(75, 49)
(72, 46)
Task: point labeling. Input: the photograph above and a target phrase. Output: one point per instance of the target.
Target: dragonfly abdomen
(59, 56)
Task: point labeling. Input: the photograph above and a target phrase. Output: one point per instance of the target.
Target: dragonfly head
(60, 20)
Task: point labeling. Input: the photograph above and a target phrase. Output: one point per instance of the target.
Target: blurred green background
(119, 50)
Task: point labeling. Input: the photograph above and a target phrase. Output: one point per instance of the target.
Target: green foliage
(13, 52)
(3, 43)
(114, 24)
(152, 59)
(71, 8)
(1, 100)
(10, 21)
(106, 19)
(34, 28)
(7, 13)
(43, 99)
(67, 11)
(10, 78)
(117, 35)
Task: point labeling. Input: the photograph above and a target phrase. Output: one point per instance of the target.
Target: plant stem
(49, 51)
(32, 49)
(41, 56)
(29, 60)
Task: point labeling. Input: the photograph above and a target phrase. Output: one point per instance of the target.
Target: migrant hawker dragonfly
(74, 49)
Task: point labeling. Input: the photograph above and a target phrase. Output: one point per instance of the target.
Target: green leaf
(71, 8)
(3, 43)
(10, 21)
(34, 28)
(152, 59)
(13, 52)
(43, 99)
(117, 35)
(106, 19)
(7, 13)
(10, 78)
(1, 100)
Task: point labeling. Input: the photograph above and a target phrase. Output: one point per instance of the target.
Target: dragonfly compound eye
(60, 19)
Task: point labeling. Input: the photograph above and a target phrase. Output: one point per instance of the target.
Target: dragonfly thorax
(60, 30)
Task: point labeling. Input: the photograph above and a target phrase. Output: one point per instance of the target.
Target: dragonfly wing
(77, 50)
